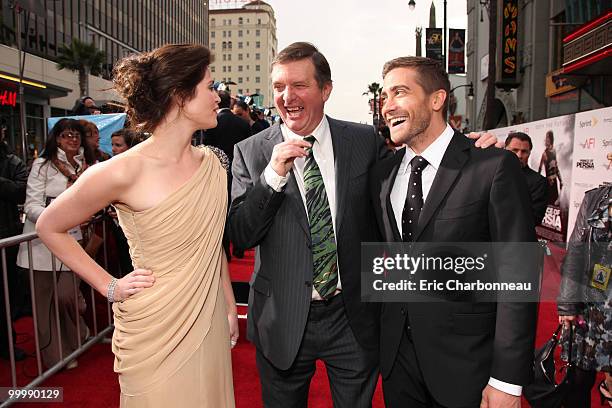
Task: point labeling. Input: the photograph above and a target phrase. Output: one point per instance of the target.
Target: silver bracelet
(110, 290)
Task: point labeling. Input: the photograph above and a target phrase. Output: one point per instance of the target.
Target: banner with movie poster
(592, 156)
(551, 156)
(456, 51)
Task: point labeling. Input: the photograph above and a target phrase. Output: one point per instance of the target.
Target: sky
(357, 37)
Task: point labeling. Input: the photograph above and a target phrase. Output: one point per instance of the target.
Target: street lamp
(470, 94)
(412, 5)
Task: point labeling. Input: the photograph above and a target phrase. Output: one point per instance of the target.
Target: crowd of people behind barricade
(72, 146)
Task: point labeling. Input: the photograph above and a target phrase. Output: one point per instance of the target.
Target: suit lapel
(454, 159)
(274, 137)
(386, 174)
(342, 146)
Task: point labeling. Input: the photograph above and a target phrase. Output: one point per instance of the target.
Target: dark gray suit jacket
(276, 223)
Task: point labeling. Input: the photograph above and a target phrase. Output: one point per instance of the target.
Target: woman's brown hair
(152, 82)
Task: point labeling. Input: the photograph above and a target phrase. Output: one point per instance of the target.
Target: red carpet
(94, 385)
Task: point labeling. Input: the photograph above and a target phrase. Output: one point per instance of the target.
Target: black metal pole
(445, 44)
(22, 108)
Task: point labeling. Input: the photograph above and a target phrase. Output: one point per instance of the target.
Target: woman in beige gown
(175, 314)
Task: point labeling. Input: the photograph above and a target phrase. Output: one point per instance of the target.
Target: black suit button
(308, 284)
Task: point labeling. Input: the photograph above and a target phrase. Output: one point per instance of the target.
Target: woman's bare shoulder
(121, 169)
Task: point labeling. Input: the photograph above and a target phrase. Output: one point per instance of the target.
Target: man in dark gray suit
(520, 144)
(300, 195)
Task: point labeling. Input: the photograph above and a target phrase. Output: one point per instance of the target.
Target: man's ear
(327, 88)
(438, 100)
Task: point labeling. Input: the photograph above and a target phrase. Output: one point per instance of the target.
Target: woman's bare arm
(98, 187)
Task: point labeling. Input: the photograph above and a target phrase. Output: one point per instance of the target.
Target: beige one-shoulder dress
(171, 341)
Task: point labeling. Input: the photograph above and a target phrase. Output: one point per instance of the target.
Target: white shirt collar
(320, 132)
(433, 153)
(61, 155)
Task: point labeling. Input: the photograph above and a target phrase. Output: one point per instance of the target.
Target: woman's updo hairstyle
(151, 82)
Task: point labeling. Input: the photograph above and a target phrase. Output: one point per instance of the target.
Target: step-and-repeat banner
(574, 153)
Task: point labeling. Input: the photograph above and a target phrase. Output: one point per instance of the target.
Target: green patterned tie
(324, 255)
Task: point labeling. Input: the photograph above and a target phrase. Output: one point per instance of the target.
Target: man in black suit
(520, 144)
(303, 203)
(230, 128)
(440, 188)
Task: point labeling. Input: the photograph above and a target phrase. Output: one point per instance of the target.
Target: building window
(229, 33)
(258, 91)
(224, 45)
(259, 21)
(212, 68)
(239, 33)
(240, 91)
(212, 46)
(213, 22)
(258, 56)
(212, 34)
(229, 45)
(257, 67)
(239, 80)
(224, 33)
(229, 68)
(248, 67)
(239, 68)
(229, 57)
(239, 57)
(257, 33)
(229, 22)
(240, 20)
(224, 68)
(258, 44)
(240, 45)
(224, 57)
(257, 80)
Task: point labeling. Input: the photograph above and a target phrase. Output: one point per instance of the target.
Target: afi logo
(589, 143)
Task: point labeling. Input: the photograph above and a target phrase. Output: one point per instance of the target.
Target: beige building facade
(244, 43)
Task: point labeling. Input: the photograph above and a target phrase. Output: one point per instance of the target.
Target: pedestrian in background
(61, 163)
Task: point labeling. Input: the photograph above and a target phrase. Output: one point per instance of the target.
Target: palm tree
(374, 89)
(81, 57)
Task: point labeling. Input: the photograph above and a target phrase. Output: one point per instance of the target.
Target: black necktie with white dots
(414, 199)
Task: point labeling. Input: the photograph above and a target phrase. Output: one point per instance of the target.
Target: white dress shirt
(323, 151)
(433, 154)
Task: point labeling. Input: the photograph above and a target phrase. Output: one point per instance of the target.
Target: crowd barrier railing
(99, 334)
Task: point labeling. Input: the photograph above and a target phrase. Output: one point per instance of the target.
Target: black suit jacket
(477, 196)
(230, 130)
(276, 222)
(538, 190)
